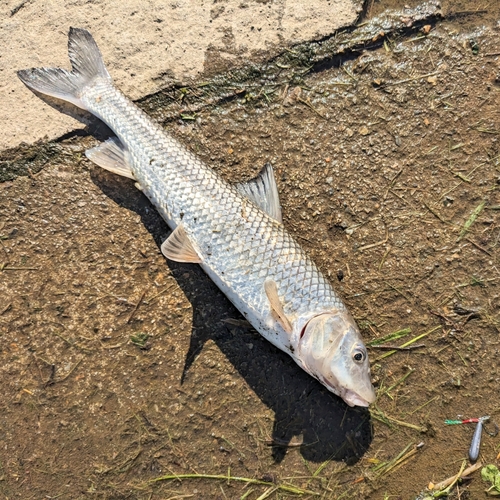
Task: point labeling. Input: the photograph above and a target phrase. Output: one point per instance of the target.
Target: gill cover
(331, 350)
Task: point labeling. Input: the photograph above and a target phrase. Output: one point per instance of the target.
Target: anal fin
(178, 247)
(271, 290)
(111, 155)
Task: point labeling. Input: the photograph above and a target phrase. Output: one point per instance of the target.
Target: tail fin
(86, 62)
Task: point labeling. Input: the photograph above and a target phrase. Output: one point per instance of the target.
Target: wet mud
(126, 376)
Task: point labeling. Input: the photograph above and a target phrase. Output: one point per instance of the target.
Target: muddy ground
(119, 369)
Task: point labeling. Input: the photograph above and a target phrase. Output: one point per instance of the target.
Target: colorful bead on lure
(466, 421)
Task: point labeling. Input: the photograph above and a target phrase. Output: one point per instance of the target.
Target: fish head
(331, 350)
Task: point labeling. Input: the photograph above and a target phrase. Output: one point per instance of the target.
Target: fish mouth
(354, 399)
(351, 397)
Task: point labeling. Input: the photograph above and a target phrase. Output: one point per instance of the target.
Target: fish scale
(247, 252)
(236, 240)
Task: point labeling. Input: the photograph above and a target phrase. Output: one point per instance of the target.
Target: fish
(235, 232)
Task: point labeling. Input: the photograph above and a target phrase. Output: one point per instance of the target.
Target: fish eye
(359, 356)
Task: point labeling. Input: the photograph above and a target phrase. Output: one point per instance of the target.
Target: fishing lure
(475, 444)
(476, 440)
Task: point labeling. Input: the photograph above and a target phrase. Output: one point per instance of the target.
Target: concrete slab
(146, 45)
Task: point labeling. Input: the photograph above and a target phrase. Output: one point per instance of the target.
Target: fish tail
(87, 65)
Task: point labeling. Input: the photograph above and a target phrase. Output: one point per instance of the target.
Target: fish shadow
(330, 429)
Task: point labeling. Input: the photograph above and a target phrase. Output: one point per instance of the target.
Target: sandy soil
(146, 45)
(121, 371)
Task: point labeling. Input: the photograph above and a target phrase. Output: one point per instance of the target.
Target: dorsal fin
(271, 290)
(111, 155)
(263, 192)
(178, 248)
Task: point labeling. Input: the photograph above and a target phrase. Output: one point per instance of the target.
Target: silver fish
(234, 232)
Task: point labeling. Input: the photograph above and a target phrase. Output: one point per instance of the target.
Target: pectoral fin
(271, 290)
(111, 155)
(178, 247)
